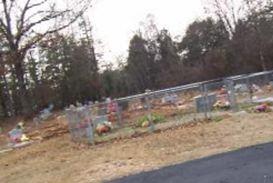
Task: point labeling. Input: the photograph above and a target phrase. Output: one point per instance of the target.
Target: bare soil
(59, 160)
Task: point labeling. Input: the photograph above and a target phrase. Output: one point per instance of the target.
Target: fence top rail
(192, 85)
(158, 92)
(173, 89)
(244, 76)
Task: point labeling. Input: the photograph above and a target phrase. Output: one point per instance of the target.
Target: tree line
(60, 67)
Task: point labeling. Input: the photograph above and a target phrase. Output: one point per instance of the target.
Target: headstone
(202, 105)
(170, 99)
(241, 88)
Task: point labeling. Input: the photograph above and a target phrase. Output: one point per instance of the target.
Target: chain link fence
(164, 109)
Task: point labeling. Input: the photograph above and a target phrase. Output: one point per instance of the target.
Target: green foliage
(217, 119)
(155, 118)
(140, 67)
(70, 72)
(247, 107)
(203, 47)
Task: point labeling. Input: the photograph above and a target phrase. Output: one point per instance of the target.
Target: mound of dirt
(53, 128)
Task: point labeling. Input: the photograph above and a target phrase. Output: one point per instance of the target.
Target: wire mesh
(80, 124)
(154, 110)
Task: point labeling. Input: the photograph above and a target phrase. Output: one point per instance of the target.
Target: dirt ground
(59, 160)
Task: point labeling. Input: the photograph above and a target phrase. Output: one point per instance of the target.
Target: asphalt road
(249, 165)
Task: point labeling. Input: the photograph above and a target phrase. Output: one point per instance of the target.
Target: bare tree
(227, 11)
(25, 23)
(231, 11)
(258, 11)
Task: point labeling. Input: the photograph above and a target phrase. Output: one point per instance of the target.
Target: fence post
(90, 131)
(231, 95)
(207, 108)
(118, 113)
(250, 90)
(204, 99)
(148, 104)
(69, 117)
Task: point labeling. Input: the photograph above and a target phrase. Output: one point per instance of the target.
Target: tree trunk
(3, 105)
(24, 100)
(7, 99)
(262, 60)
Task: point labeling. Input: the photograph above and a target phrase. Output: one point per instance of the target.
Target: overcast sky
(114, 21)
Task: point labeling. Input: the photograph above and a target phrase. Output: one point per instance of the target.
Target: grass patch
(217, 119)
(180, 114)
(246, 106)
(155, 118)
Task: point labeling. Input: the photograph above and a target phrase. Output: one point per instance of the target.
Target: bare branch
(26, 24)
(4, 31)
(233, 11)
(44, 19)
(223, 16)
(11, 6)
(39, 37)
(227, 11)
(24, 29)
(3, 25)
(20, 22)
(37, 4)
(40, 12)
(7, 17)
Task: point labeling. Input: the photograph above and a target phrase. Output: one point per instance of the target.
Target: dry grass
(59, 160)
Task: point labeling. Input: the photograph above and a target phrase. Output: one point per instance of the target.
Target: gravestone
(202, 105)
